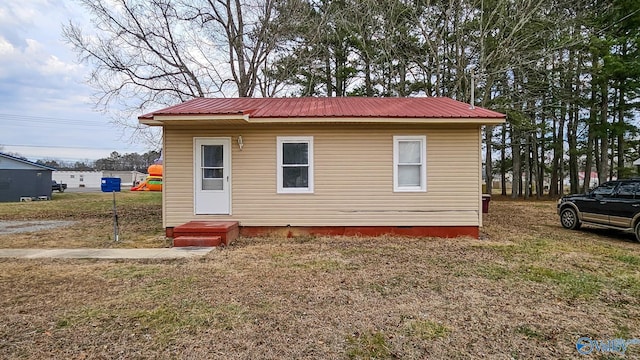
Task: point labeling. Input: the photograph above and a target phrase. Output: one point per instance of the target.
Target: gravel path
(13, 227)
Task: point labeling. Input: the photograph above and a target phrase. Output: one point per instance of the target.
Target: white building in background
(127, 178)
(93, 179)
(78, 179)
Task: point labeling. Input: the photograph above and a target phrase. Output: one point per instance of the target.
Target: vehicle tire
(636, 231)
(61, 190)
(569, 219)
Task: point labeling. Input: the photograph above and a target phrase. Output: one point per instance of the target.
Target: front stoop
(205, 233)
(199, 241)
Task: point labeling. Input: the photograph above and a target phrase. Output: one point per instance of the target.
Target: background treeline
(115, 162)
(566, 72)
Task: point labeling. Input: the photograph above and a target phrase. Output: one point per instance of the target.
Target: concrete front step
(199, 241)
(197, 231)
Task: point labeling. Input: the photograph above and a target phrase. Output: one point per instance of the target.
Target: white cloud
(35, 56)
(6, 49)
(54, 66)
(39, 77)
(34, 48)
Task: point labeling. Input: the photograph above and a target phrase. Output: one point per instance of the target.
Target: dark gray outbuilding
(22, 179)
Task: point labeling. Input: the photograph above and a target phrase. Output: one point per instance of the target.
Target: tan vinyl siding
(353, 177)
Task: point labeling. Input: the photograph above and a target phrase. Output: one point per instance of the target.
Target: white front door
(212, 175)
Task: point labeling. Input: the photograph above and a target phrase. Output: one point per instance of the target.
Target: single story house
(22, 179)
(348, 165)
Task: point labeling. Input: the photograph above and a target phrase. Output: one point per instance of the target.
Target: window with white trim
(410, 163)
(295, 164)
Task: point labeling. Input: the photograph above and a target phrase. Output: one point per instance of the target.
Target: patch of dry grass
(529, 289)
(139, 218)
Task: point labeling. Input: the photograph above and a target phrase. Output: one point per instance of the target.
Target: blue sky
(45, 107)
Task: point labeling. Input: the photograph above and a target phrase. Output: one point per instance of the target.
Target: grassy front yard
(139, 218)
(527, 289)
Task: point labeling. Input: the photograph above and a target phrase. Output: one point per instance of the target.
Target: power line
(58, 147)
(38, 117)
(21, 119)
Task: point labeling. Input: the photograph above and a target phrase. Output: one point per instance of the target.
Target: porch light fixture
(240, 143)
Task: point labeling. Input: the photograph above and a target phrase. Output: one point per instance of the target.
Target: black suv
(614, 204)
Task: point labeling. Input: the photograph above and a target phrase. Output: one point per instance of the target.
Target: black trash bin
(485, 202)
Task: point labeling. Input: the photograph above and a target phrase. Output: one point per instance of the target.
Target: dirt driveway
(13, 227)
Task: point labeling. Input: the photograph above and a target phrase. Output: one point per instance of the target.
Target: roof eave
(159, 120)
(149, 121)
(27, 162)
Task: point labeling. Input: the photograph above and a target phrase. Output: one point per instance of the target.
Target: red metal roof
(337, 107)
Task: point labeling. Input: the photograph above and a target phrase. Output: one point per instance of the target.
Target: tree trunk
(561, 155)
(527, 166)
(503, 160)
(488, 158)
(621, 172)
(591, 139)
(517, 170)
(328, 80)
(538, 145)
(604, 138)
(612, 165)
(367, 76)
(572, 140)
(589, 161)
(555, 163)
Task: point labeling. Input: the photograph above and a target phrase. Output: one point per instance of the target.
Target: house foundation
(216, 233)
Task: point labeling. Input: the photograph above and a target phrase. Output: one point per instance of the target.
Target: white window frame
(281, 140)
(423, 163)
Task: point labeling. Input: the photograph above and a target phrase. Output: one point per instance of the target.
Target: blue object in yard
(110, 184)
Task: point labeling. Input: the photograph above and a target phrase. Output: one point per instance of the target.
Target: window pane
(212, 184)
(627, 190)
(212, 156)
(409, 175)
(409, 152)
(295, 177)
(212, 173)
(605, 189)
(295, 153)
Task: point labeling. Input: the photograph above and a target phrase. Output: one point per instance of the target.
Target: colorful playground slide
(153, 182)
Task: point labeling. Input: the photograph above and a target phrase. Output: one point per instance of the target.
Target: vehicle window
(605, 189)
(626, 190)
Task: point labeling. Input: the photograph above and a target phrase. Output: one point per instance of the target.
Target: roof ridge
(323, 107)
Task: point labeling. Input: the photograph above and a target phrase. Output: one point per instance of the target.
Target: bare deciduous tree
(146, 54)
